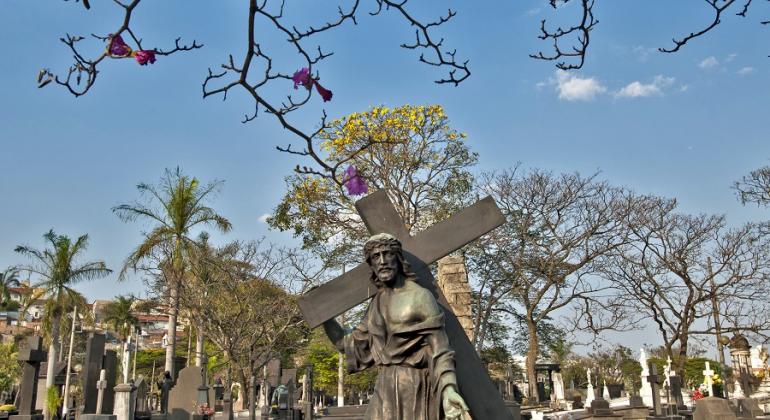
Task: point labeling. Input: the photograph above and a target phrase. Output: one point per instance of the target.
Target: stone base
(159, 416)
(633, 413)
(97, 417)
(26, 417)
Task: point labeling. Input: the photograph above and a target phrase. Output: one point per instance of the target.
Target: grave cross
(652, 378)
(441, 239)
(101, 385)
(31, 354)
(708, 375)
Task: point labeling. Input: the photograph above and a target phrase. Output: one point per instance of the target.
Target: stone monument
(589, 390)
(453, 281)
(646, 391)
(31, 354)
(436, 321)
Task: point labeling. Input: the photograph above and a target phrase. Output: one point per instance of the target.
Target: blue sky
(684, 125)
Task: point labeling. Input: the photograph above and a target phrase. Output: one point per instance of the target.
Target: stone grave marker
(110, 365)
(92, 368)
(354, 287)
(183, 397)
(713, 408)
(141, 410)
(652, 378)
(749, 408)
(274, 372)
(101, 387)
(31, 354)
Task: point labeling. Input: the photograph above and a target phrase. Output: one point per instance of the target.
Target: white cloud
(746, 71)
(533, 11)
(730, 57)
(641, 90)
(684, 88)
(709, 62)
(574, 88)
(264, 217)
(643, 53)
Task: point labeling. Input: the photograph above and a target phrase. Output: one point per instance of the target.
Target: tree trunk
(341, 381)
(682, 356)
(199, 348)
(532, 354)
(171, 330)
(55, 328)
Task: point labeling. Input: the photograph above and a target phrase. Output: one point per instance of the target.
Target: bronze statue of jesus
(402, 334)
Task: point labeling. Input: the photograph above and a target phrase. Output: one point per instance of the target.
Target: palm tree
(58, 272)
(118, 314)
(175, 207)
(9, 278)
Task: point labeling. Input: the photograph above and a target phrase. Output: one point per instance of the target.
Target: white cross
(708, 374)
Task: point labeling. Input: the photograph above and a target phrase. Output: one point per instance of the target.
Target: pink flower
(325, 93)
(353, 181)
(302, 77)
(118, 48)
(145, 56)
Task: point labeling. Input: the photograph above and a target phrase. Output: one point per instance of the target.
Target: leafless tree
(578, 35)
(257, 73)
(549, 252)
(242, 298)
(677, 263)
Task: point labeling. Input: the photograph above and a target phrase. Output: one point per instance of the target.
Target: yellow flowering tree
(411, 150)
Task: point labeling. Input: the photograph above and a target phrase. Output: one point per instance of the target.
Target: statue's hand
(454, 405)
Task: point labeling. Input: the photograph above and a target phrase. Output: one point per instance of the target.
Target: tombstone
(274, 372)
(676, 393)
(590, 395)
(354, 287)
(606, 391)
(646, 391)
(741, 355)
(227, 405)
(31, 354)
(652, 379)
(141, 408)
(110, 365)
(749, 408)
(101, 387)
(184, 396)
(219, 391)
(558, 386)
(125, 401)
(92, 368)
(713, 408)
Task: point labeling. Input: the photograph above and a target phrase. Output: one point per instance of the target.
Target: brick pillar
(453, 281)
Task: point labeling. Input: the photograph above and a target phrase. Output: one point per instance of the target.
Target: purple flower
(325, 93)
(145, 56)
(302, 77)
(354, 183)
(118, 47)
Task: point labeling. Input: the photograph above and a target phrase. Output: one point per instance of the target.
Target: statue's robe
(413, 358)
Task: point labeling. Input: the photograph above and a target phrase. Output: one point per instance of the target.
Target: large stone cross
(31, 354)
(440, 240)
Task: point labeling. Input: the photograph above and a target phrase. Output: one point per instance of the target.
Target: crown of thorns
(381, 239)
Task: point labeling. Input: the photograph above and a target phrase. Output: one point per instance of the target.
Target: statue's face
(384, 263)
